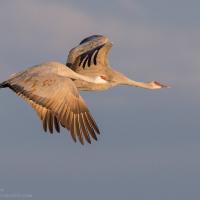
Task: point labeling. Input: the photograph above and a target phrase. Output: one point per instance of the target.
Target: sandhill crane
(52, 89)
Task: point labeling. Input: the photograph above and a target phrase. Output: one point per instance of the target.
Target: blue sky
(150, 142)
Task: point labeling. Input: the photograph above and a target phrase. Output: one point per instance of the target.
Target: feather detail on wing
(91, 53)
(57, 102)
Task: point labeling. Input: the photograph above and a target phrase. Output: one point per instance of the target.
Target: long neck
(123, 80)
(138, 84)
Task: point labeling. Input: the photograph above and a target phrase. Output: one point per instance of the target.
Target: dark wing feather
(89, 55)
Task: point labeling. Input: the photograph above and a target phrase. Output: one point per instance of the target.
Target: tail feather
(3, 84)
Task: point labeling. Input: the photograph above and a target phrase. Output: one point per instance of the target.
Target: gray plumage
(52, 89)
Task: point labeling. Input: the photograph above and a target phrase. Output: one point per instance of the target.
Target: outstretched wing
(57, 102)
(90, 55)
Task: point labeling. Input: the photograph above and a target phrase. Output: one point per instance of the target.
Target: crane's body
(52, 89)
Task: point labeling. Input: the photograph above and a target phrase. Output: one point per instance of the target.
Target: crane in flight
(52, 88)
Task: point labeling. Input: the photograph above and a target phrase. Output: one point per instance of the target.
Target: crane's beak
(160, 85)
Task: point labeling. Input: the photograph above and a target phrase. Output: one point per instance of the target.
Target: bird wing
(90, 55)
(57, 102)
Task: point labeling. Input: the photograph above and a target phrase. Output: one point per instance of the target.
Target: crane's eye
(104, 77)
